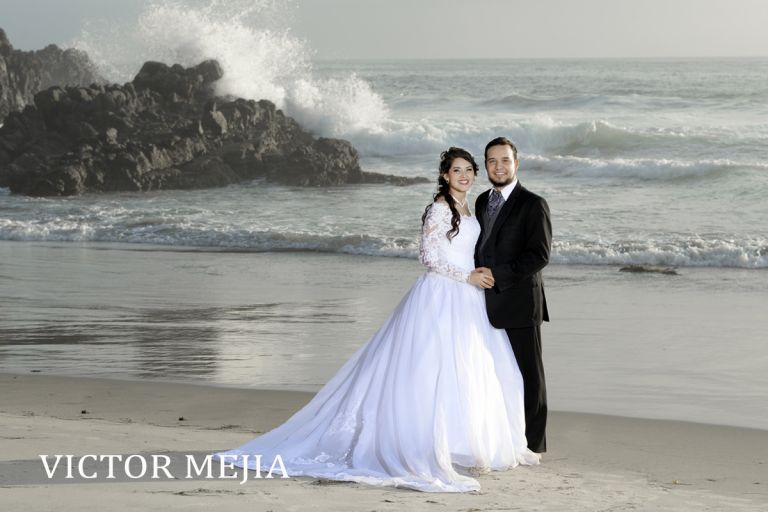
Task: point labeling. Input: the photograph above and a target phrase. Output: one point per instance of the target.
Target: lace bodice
(453, 258)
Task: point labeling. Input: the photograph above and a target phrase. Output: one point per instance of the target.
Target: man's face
(501, 165)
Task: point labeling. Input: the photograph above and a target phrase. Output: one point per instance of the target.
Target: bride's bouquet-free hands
(482, 277)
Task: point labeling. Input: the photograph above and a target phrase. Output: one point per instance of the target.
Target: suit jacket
(517, 249)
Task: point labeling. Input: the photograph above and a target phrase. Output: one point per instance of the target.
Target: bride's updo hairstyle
(443, 190)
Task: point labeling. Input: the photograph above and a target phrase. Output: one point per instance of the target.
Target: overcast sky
(461, 29)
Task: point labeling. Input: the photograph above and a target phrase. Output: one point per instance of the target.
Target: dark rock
(5, 44)
(23, 74)
(215, 122)
(322, 162)
(650, 269)
(164, 130)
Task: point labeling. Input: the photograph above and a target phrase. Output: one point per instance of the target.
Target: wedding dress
(434, 397)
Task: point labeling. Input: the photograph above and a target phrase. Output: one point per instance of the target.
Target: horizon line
(670, 57)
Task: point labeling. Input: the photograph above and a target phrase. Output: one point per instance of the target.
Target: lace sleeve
(431, 253)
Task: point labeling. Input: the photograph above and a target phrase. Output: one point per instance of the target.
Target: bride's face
(460, 176)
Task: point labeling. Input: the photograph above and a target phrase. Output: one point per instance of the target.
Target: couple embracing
(452, 385)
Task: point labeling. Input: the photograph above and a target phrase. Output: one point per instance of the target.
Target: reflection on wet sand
(181, 343)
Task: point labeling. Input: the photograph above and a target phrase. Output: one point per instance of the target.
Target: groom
(513, 247)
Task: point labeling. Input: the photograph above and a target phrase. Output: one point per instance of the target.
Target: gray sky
(462, 29)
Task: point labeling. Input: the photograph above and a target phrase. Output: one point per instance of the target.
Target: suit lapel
(506, 210)
(480, 207)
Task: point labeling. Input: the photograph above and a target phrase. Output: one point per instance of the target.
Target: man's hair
(501, 141)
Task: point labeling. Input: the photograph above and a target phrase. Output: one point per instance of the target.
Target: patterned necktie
(494, 203)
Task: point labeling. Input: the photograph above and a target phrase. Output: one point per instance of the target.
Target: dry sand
(595, 462)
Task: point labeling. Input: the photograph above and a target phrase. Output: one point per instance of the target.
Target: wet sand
(686, 347)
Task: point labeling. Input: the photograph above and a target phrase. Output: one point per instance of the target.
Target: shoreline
(594, 461)
(642, 267)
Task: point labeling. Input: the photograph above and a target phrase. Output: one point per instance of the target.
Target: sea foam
(253, 43)
(195, 232)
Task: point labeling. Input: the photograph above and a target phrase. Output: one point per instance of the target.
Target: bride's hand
(481, 279)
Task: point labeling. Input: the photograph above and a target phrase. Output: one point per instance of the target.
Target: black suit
(516, 250)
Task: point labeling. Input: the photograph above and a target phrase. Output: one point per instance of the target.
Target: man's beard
(502, 183)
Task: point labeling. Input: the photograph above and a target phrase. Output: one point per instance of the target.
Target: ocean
(657, 162)
(641, 161)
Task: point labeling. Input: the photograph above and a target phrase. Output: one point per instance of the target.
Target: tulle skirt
(433, 398)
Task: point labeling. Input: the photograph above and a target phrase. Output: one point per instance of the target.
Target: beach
(176, 323)
(649, 414)
(595, 462)
(266, 286)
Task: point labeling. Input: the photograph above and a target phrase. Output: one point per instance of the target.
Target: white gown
(433, 397)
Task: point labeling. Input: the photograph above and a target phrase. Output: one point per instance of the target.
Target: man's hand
(482, 277)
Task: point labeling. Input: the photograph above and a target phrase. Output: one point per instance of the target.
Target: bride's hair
(443, 190)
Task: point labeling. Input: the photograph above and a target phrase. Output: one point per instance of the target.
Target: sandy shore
(595, 462)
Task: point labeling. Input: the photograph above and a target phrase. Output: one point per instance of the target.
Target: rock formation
(165, 129)
(24, 74)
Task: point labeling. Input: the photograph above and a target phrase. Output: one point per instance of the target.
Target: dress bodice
(454, 258)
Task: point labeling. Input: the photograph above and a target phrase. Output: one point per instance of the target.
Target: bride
(435, 395)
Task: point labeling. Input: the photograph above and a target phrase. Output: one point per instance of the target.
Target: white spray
(260, 57)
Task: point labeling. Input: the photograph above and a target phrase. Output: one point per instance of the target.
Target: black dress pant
(526, 343)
